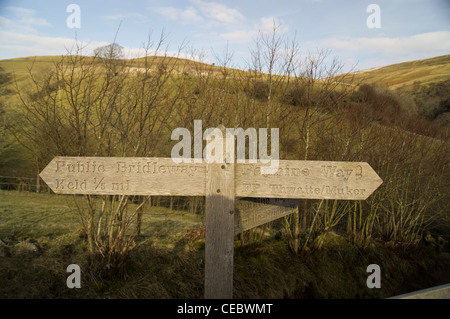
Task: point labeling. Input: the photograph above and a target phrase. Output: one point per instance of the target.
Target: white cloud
(127, 17)
(15, 44)
(382, 51)
(27, 17)
(114, 17)
(218, 12)
(438, 41)
(21, 11)
(188, 15)
(24, 21)
(203, 12)
(233, 25)
(239, 36)
(265, 25)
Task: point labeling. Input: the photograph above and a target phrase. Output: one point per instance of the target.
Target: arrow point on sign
(45, 173)
(375, 180)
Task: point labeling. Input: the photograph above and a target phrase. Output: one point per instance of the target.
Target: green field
(49, 216)
(169, 263)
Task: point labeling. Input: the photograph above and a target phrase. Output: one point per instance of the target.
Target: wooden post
(219, 229)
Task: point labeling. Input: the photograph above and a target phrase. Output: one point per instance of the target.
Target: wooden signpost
(161, 176)
(221, 183)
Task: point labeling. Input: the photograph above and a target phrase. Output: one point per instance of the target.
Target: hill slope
(394, 76)
(425, 71)
(20, 66)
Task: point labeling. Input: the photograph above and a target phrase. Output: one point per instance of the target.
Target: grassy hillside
(425, 71)
(396, 75)
(20, 67)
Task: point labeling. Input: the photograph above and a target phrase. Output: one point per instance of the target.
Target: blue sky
(409, 29)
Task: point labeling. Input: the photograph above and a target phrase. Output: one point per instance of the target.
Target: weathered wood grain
(219, 230)
(161, 176)
(253, 212)
(124, 176)
(308, 179)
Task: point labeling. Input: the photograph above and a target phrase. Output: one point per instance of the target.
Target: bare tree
(110, 51)
(79, 109)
